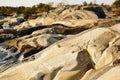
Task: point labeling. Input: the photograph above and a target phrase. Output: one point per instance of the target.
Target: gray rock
(99, 11)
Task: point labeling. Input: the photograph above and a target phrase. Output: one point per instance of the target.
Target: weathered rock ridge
(90, 55)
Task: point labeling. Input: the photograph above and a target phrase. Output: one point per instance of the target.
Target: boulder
(77, 14)
(1, 27)
(31, 23)
(29, 45)
(10, 22)
(1, 16)
(99, 11)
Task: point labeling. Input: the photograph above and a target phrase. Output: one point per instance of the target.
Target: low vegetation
(27, 11)
(116, 6)
(31, 12)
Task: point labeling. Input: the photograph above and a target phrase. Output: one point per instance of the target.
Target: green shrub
(27, 11)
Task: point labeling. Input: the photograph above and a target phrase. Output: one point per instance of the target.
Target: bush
(117, 3)
(116, 6)
(27, 11)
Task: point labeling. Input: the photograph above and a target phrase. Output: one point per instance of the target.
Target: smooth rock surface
(84, 53)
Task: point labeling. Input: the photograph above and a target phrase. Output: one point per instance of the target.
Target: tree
(26, 11)
(90, 4)
(102, 4)
(117, 3)
(85, 3)
(61, 4)
(20, 9)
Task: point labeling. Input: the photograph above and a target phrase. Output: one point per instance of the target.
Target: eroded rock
(81, 53)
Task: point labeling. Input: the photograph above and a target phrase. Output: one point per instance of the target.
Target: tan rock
(82, 56)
